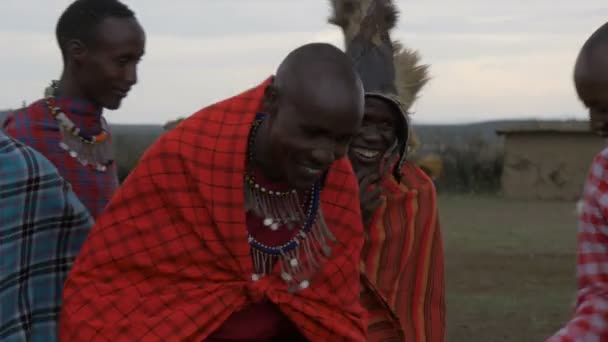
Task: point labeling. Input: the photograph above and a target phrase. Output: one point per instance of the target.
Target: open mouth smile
(365, 154)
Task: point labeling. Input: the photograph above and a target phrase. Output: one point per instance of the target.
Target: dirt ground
(510, 267)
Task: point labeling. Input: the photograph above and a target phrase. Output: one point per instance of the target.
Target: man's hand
(370, 191)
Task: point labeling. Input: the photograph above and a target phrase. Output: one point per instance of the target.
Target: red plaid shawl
(169, 259)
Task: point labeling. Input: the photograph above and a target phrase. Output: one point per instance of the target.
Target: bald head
(316, 104)
(592, 62)
(318, 72)
(591, 78)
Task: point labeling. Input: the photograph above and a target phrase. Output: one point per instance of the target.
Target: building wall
(547, 165)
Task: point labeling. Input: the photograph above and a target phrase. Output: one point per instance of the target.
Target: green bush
(473, 167)
(130, 143)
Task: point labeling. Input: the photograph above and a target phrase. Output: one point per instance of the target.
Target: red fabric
(36, 127)
(590, 321)
(257, 322)
(169, 259)
(403, 262)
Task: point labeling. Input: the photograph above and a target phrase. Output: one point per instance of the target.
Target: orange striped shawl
(402, 260)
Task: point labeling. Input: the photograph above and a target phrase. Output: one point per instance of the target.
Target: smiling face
(307, 135)
(106, 69)
(315, 106)
(376, 136)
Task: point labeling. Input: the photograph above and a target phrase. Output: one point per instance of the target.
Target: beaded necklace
(92, 150)
(302, 255)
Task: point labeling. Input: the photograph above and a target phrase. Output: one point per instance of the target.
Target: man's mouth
(311, 171)
(121, 92)
(305, 176)
(365, 153)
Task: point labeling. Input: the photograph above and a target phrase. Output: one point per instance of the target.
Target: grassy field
(510, 267)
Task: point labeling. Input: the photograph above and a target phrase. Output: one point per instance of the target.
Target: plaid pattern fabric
(36, 127)
(42, 226)
(403, 263)
(590, 321)
(169, 259)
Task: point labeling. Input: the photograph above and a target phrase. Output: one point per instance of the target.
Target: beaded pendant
(94, 151)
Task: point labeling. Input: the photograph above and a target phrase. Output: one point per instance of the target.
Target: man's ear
(76, 50)
(271, 98)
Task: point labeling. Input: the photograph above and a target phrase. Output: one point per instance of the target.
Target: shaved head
(318, 72)
(316, 104)
(591, 78)
(592, 61)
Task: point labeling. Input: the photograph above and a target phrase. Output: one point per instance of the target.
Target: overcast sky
(489, 59)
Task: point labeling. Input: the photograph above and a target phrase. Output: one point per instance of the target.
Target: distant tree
(172, 124)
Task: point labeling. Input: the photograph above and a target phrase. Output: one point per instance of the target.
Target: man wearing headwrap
(42, 227)
(402, 259)
(222, 232)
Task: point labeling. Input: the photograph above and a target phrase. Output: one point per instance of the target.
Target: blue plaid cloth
(42, 227)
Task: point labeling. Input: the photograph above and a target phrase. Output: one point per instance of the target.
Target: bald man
(590, 321)
(222, 232)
